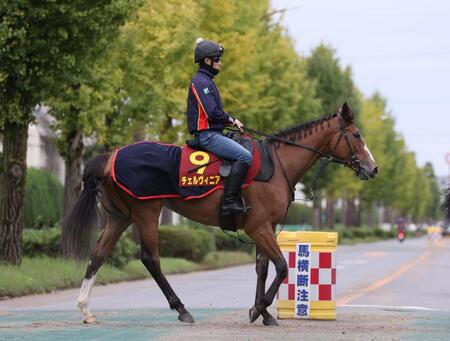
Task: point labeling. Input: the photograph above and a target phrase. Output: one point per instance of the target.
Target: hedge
(227, 243)
(44, 199)
(46, 242)
(184, 242)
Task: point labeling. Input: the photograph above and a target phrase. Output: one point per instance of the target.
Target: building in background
(42, 152)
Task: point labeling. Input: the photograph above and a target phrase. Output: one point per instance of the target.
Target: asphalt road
(385, 290)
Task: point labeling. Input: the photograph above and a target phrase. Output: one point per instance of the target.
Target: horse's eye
(357, 135)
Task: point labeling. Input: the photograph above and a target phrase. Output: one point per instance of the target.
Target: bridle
(325, 158)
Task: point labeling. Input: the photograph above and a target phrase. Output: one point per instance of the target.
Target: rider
(207, 120)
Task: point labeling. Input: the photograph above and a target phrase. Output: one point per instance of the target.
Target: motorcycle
(401, 236)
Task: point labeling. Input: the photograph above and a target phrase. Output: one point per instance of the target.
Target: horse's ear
(346, 113)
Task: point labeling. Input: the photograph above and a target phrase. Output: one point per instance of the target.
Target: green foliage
(182, 242)
(46, 45)
(43, 242)
(124, 251)
(363, 234)
(42, 274)
(46, 242)
(221, 259)
(225, 242)
(44, 196)
(299, 214)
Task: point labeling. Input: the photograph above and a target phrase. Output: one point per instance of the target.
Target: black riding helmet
(207, 48)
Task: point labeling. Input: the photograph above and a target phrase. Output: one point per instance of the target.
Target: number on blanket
(199, 158)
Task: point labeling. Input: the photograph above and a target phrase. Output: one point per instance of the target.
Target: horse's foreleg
(267, 244)
(150, 258)
(106, 243)
(262, 267)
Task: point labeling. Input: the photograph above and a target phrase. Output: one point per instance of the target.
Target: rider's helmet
(207, 48)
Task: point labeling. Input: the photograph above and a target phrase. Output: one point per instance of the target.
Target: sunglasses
(216, 59)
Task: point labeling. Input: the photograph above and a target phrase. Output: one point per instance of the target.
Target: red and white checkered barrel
(309, 290)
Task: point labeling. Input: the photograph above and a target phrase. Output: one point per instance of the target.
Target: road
(385, 290)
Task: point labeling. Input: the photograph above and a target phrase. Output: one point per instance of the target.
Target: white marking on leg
(83, 298)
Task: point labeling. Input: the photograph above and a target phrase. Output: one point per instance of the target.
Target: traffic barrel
(309, 290)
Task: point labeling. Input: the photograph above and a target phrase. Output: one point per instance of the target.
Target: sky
(398, 48)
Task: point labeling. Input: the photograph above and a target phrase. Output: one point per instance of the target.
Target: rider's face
(215, 64)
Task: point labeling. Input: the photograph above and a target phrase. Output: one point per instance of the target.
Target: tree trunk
(330, 212)
(349, 213)
(358, 212)
(370, 215)
(72, 182)
(317, 212)
(12, 191)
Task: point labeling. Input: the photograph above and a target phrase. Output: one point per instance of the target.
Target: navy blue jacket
(204, 105)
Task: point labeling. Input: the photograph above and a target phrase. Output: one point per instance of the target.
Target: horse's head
(348, 145)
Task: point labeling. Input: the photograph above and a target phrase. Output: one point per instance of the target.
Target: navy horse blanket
(151, 170)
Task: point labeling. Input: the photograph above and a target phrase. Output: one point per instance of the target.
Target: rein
(325, 158)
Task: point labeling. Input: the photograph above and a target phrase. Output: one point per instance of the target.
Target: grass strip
(45, 274)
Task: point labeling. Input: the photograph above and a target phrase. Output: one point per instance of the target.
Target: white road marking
(387, 307)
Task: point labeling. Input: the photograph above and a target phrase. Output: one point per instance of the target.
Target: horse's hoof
(186, 318)
(270, 322)
(253, 314)
(90, 320)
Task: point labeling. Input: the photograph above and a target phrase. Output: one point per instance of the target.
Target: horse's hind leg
(108, 239)
(262, 267)
(266, 243)
(148, 230)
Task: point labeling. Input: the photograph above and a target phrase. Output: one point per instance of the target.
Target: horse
(446, 207)
(333, 138)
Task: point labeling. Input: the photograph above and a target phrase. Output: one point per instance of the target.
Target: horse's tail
(446, 206)
(81, 222)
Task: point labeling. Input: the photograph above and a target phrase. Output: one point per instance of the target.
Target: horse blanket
(149, 170)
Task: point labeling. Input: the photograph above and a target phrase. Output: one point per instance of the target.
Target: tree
(432, 209)
(81, 111)
(333, 86)
(44, 46)
(156, 59)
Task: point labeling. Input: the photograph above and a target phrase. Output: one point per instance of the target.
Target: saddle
(152, 170)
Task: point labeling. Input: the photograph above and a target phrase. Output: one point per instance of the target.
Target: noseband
(353, 162)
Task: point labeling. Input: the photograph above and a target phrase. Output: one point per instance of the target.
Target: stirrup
(237, 209)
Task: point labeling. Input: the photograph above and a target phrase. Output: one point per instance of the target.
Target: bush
(359, 232)
(44, 199)
(346, 233)
(380, 233)
(45, 242)
(225, 242)
(183, 242)
(124, 251)
(299, 214)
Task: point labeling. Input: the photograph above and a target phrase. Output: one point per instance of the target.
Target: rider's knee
(245, 158)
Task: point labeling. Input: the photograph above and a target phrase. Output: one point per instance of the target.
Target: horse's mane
(304, 128)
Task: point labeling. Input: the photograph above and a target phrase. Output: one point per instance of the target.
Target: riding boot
(232, 201)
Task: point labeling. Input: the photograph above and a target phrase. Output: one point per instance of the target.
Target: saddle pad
(196, 181)
(149, 170)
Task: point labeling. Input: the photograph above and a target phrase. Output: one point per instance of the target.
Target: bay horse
(333, 137)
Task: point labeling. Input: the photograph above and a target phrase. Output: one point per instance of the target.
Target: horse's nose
(375, 172)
